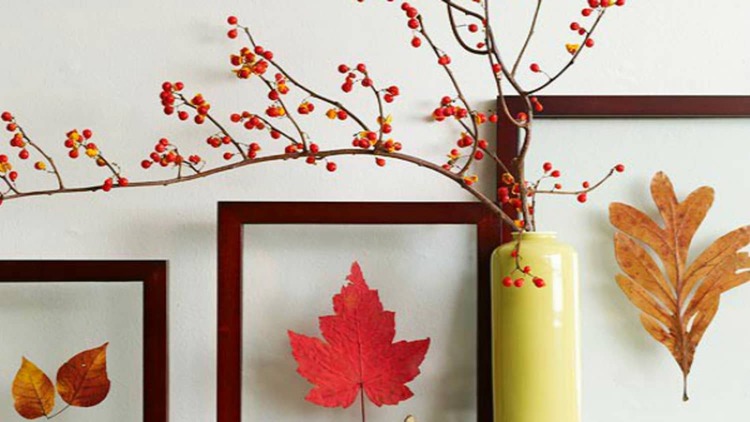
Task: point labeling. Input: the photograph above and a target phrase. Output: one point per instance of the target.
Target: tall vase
(535, 333)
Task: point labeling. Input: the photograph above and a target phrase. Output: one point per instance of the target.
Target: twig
(575, 55)
(532, 28)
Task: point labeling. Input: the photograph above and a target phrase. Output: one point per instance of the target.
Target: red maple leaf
(358, 351)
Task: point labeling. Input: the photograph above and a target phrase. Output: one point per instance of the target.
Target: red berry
(594, 3)
(342, 115)
(178, 86)
(483, 144)
(24, 154)
(535, 68)
(146, 163)
(331, 166)
(582, 198)
(362, 68)
(555, 174)
(547, 167)
(478, 155)
(590, 42)
(619, 168)
(232, 20)
(518, 283)
(6, 116)
(586, 12)
(507, 282)
(73, 153)
(107, 186)
(228, 155)
(586, 185)
(526, 269)
(13, 176)
(413, 23)
(232, 33)
(380, 162)
(416, 42)
(575, 26)
(539, 282)
(122, 181)
(183, 115)
(620, 2)
(343, 68)
(166, 87)
(473, 27)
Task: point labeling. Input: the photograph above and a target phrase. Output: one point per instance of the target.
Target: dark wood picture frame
(234, 215)
(153, 275)
(616, 107)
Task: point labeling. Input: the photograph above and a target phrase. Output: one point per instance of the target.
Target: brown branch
(309, 92)
(462, 9)
(530, 35)
(49, 159)
(287, 113)
(575, 55)
(215, 123)
(577, 192)
(280, 157)
(274, 128)
(460, 39)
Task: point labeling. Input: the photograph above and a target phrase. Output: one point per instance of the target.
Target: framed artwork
(279, 264)
(84, 340)
(697, 141)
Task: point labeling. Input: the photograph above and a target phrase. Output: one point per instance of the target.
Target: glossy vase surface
(536, 333)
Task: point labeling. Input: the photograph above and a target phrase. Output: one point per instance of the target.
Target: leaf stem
(57, 413)
(362, 401)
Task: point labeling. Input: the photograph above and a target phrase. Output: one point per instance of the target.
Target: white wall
(79, 63)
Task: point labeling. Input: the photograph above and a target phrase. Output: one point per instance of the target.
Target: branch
(581, 191)
(305, 88)
(532, 28)
(575, 55)
(451, 5)
(460, 40)
(278, 157)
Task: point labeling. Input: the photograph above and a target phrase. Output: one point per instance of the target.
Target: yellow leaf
(33, 392)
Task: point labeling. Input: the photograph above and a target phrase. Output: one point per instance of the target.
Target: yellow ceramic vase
(535, 333)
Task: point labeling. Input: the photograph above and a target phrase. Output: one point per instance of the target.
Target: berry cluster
(250, 63)
(75, 142)
(172, 99)
(166, 154)
(17, 141)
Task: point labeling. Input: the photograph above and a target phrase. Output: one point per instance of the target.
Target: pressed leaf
(358, 352)
(640, 267)
(678, 303)
(33, 392)
(82, 381)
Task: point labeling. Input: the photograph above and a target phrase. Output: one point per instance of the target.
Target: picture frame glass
(624, 369)
(49, 323)
(427, 274)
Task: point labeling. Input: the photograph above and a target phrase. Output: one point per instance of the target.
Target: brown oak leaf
(678, 300)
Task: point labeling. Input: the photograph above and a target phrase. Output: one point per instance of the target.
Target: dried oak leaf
(82, 381)
(677, 300)
(358, 351)
(33, 392)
